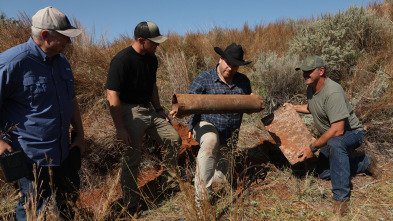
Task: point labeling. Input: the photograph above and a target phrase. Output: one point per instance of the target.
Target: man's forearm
(115, 109)
(155, 99)
(335, 130)
(322, 140)
(117, 117)
(303, 108)
(76, 120)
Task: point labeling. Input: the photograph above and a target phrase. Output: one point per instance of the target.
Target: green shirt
(330, 105)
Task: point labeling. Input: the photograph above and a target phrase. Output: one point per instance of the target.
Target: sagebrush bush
(276, 78)
(341, 38)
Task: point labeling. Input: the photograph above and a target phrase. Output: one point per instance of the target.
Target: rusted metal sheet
(288, 131)
(186, 104)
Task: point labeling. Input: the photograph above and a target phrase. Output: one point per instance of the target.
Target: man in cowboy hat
(213, 131)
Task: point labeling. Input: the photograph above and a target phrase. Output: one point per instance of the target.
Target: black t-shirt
(133, 75)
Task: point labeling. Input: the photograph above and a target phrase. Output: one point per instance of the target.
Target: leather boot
(340, 207)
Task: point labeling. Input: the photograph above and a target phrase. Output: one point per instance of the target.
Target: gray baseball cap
(51, 18)
(311, 62)
(149, 30)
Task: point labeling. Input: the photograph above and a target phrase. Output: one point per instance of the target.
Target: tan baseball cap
(51, 18)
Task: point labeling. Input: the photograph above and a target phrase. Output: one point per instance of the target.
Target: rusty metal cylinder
(186, 104)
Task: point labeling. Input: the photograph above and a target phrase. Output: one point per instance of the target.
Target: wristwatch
(312, 148)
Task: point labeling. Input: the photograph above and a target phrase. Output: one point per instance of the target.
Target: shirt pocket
(218, 91)
(238, 90)
(37, 86)
(69, 81)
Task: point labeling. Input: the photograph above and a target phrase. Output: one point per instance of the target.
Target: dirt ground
(263, 151)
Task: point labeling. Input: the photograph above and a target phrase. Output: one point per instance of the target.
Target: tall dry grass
(368, 84)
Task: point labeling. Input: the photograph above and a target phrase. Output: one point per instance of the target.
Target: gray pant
(138, 120)
(212, 165)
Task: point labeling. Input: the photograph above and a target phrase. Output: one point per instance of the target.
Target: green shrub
(341, 38)
(275, 78)
(5, 20)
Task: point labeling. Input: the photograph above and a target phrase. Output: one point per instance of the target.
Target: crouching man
(340, 128)
(213, 131)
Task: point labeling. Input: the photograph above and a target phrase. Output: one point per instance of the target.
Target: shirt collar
(36, 50)
(215, 76)
(218, 79)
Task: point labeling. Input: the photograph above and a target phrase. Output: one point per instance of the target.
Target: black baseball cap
(149, 30)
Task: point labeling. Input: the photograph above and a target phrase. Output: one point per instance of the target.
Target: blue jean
(335, 164)
(66, 182)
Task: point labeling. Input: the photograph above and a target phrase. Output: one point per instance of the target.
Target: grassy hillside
(357, 44)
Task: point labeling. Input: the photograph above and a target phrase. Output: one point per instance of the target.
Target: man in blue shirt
(37, 106)
(216, 133)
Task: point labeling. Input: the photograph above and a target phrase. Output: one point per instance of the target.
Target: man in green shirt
(340, 128)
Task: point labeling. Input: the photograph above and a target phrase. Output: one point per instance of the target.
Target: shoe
(340, 207)
(374, 170)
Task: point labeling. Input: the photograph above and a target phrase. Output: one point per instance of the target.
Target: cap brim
(72, 32)
(158, 39)
(238, 63)
(304, 69)
(219, 51)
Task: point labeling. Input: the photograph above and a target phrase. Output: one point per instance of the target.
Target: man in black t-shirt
(135, 108)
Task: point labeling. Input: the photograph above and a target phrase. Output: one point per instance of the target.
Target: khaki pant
(212, 165)
(138, 120)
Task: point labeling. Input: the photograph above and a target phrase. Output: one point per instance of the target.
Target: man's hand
(302, 108)
(123, 136)
(164, 115)
(305, 154)
(79, 141)
(173, 113)
(4, 147)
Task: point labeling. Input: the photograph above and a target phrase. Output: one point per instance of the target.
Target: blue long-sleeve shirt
(36, 98)
(209, 82)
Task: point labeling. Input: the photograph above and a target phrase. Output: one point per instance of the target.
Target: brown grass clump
(14, 32)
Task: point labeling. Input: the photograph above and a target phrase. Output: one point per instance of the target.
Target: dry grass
(8, 196)
(282, 196)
